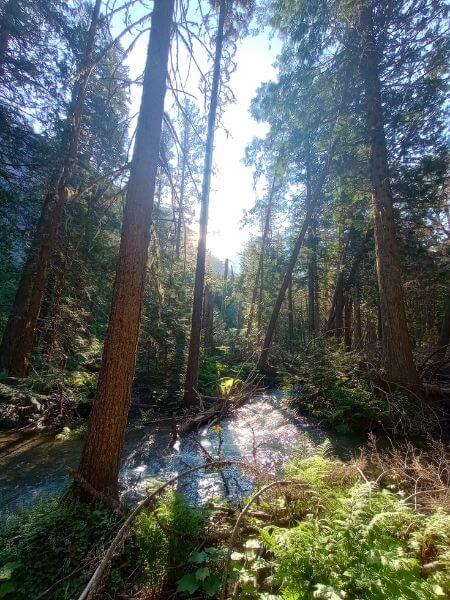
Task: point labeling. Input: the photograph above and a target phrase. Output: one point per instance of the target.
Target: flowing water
(264, 431)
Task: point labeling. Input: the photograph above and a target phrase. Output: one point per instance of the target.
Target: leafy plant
(68, 434)
(205, 578)
(209, 375)
(49, 542)
(364, 544)
(164, 539)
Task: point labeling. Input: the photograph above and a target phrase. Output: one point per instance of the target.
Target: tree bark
(312, 287)
(397, 350)
(339, 311)
(208, 318)
(100, 461)
(311, 205)
(54, 300)
(259, 270)
(444, 335)
(20, 333)
(196, 322)
(312, 265)
(331, 323)
(348, 311)
(357, 319)
(224, 291)
(291, 316)
(346, 283)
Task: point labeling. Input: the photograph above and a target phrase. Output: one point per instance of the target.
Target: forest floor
(317, 508)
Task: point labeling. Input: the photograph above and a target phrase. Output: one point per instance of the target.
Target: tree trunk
(357, 319)
(182, 188)
(379, 324)
(102, 451)
(346, 283)
(397, 350)
(337, 294)
(444, 335)
(224, 291)
(239, 315)
(339, 312)
(54, 299)
(259, 270)
(260, 302)
(20, 333)
(311, 205)
(312, 287)
(208, 318)
(358, 259)
(312, 265)
(196, 323)
(348, 310)
(291, 316)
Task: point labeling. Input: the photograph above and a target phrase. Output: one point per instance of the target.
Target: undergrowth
(332, 534)
(166, 537)
(54, 546)
(336, 387)
(347, 539)
(217, 374)
(47, 544)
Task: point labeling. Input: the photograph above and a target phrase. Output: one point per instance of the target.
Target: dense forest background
(109, 298)
(65, 98)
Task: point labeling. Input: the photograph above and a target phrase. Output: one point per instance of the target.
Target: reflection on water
(264, 430)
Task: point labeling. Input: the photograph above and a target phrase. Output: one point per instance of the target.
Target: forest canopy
(115, 315)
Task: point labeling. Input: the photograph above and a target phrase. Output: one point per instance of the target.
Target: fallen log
(25, 409)
(219, 410)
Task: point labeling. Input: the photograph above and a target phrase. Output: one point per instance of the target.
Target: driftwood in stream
(30, 411)
(218, 408)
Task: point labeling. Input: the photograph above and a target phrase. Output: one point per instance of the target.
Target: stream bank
(263, 429)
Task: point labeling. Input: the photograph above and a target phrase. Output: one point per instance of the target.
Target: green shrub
(327, 478)
(67, 434)
(48, 542)
(242, 370)
(54, 539)
(163, 538)
(205, 578)
(210, 372)
(83, 383)
(362, 544)
(354, 406)
(332, 386)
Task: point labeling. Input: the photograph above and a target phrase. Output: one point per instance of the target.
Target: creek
(265, 431)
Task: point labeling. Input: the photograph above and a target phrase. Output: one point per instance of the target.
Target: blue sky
(232, 183)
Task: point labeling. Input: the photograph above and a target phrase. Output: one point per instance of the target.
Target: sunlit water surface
(263, 431)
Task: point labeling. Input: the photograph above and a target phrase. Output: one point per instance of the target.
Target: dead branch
(98, 496)
(221, 408)
(256, 495)
(124, 531)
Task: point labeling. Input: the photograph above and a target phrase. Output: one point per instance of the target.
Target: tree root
(98, 496)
